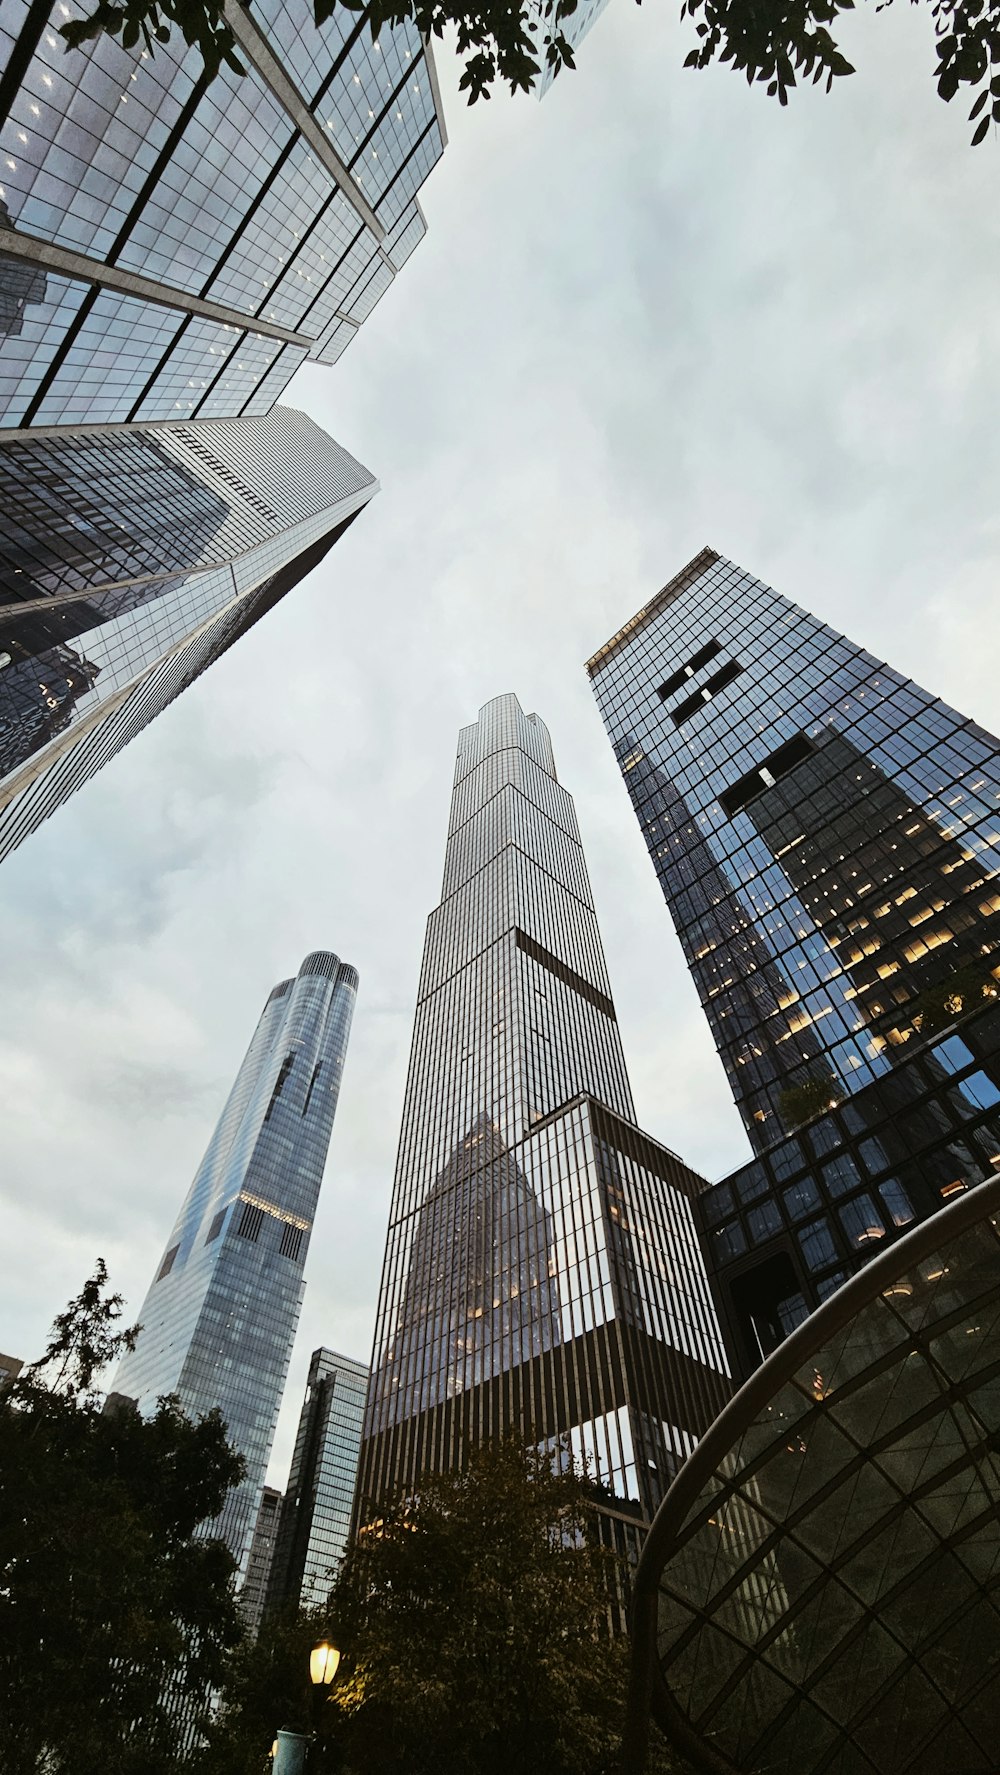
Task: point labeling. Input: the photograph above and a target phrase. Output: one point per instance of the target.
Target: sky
(653, 312)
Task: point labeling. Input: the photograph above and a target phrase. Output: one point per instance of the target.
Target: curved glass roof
(823, 1576)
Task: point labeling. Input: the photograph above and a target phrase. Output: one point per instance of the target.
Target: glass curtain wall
(542, 1270)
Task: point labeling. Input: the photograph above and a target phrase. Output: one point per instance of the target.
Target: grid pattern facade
(542, 1269)
(574, 29)
(219, 1319)
(819, 1593)
(784, 1232)
(178, 246)
(261, 1554)
(826, 833)
(130, 559)
(315, 1521)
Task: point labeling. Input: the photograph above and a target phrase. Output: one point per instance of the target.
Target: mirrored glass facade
(781, 1234)
(131, 559)
(315, 1521)
(173, 247)
(818, 1595)
(219, 1319)
(259, 1559)
(826, 833)
(542, 1270)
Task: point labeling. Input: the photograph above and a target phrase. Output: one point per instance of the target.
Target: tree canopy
(107, 1598)
(776, 42)
(473, 1625)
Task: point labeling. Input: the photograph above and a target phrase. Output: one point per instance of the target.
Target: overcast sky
(653, 312)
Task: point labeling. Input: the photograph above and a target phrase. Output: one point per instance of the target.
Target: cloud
(653, 312)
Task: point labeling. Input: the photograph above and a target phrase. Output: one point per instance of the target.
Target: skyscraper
(826, 833)
(315, 1519)
(542, 1272)
(260, 1557)
(219, 1319)
(172, 248)
(574, 29)
(132, 558)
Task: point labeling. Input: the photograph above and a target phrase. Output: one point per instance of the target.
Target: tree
(473, 1624)
(773, 41)
(106, 1595)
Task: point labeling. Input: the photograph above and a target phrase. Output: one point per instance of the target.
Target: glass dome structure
(819, 1592)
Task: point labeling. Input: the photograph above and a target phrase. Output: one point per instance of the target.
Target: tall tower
(175, 246)
(542, 1271)
(219, 1319)
(825, 833)
(172, 249)
(131, 560)
(315, 1520)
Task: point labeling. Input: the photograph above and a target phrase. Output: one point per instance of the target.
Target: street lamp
(324, 1662)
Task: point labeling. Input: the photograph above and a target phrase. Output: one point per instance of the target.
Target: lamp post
(324, 1662)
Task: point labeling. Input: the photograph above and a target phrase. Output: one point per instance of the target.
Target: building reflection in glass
(542, 1268)
(845, 815)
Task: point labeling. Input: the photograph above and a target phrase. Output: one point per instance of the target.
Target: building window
(678, 679)
(763, 1221)
(818, 1248)
(897, 1201)
(802, 1198)
(216, 1227)
(841, 1175)
(730, 1241)
(284, 1070)
(862, 1222)
(697, 700)
(168, 1263)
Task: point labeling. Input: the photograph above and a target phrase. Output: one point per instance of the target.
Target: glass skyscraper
(131, 559)
(315, 1520)
(219, 1319)
(542, 1270)
(173, 246)
(254, 1590)
(172, 249)
(826, 833)
(574, 29)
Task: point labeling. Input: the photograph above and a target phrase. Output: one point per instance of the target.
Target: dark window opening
(568, 976)
(216, 1227)
(679, 678)
(286, 1067)
(766, 774)
(251, 1221)
(291, 1241)
(768, 1303)
(317, 1069)
(713, 685)
(168, 1262)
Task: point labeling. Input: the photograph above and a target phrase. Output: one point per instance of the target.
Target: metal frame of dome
(863, 1300)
